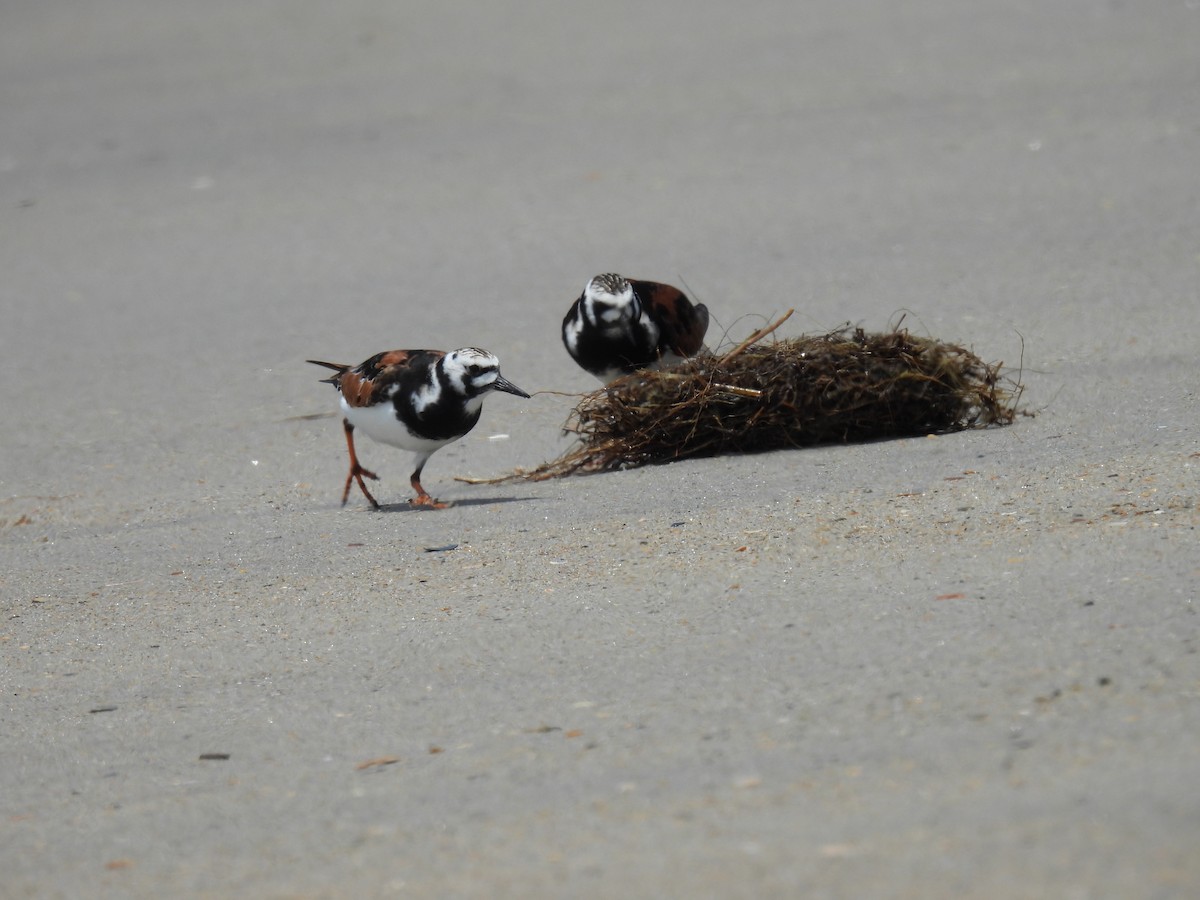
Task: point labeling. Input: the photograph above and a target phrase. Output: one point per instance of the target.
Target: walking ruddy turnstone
(419, 400)
(619, 325)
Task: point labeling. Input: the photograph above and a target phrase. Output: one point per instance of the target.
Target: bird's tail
(335, 380)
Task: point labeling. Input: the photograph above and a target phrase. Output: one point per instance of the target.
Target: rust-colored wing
(682, 323)
(368, 382)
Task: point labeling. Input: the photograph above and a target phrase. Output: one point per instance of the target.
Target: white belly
(380, 424)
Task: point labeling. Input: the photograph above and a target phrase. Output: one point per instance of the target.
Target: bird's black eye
(475, 368)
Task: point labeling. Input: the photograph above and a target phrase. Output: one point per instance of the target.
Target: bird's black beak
(503, 384)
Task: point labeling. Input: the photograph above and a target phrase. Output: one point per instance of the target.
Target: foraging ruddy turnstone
(619, 325)
(419, 400)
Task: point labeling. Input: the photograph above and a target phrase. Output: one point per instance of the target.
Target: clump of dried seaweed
(847, 385)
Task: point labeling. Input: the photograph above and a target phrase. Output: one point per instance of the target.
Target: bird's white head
(609, 302)
(473, 372)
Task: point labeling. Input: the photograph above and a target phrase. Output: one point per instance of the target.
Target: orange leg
(356, 471)
(423, 498)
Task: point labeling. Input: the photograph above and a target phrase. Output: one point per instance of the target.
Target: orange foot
(356, 474)
(356, 471)
(424, 501)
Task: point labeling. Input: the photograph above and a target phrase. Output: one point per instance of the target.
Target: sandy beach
(963, 665)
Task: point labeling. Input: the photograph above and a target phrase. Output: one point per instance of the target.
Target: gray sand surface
(962, 665)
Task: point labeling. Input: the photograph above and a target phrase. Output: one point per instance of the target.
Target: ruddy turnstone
(419, 400)
(619, 325)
